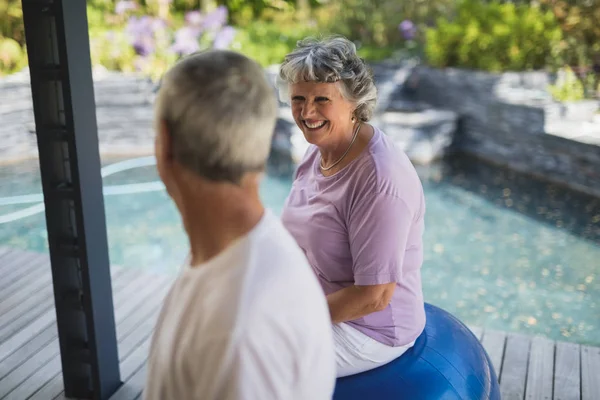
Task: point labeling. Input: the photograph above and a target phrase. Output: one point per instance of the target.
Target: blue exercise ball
(446, 362)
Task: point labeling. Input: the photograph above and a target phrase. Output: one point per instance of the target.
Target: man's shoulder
(277, 244)
(278, 270)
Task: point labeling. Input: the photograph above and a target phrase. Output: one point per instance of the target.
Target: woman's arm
(378, 231)
(357, 301)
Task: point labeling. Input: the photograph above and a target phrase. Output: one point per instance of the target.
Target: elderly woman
(356, 207)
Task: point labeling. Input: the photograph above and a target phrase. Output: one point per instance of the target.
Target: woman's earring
(353, 119)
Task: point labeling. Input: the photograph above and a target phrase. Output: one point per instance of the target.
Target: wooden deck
(528, 368)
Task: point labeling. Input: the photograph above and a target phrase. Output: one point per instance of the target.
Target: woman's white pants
(356, 352)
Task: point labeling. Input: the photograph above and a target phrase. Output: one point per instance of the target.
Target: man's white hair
(220, 112)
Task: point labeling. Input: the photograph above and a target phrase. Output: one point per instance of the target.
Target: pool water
(502, 250)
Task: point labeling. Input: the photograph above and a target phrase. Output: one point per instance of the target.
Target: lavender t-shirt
(364, 226)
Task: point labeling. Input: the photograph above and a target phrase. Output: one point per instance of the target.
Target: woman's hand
(357, 301)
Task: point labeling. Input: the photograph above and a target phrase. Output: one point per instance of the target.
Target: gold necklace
(345, 153)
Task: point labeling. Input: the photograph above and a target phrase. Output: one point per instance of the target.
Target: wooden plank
(136, 359)
(540, 370)
(4, 251)
(23, 266)
(27, 351)
(133, 387)
(129, 345)
(19, 375)
(145, 329)
(34, 382)
(12, 321)
(147, 312)
(30, 358)
(153, 285)
(494, 343)
(29, 370)
(31, 330)
(133, 351)
(514, 367)
(11, 259)
(567, 378)
(40, 303)
(590, 373)
(20, 283)
(18, 267)
(130, 361)
(23, 288)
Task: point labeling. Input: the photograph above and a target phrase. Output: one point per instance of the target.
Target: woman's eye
(322, 99)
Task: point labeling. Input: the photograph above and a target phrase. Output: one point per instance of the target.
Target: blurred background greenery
(492, 36)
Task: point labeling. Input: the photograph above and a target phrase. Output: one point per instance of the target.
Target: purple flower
(215, 19)
(186, 41)
(224, 38)
(408, 29)
(144, 46)
(158, 25)
(124, 6)
(139, 26)
(141, 32)
(193, 18)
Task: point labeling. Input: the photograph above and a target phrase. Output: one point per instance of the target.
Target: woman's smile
(314, 125)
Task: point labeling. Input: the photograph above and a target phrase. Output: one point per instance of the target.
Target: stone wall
(506, 118)
(123, 113)
(124, 116)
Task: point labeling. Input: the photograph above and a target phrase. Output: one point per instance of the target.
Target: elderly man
(246, 317)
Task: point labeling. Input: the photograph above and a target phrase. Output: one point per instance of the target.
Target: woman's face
(321, 112)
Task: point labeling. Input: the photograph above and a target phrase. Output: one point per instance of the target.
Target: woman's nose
(308, 110)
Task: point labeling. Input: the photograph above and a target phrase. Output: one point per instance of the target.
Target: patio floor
(528, 367)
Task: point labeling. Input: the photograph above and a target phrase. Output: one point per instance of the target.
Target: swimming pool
(502, 250)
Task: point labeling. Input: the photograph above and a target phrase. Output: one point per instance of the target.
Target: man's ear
(163, 142)
(163, 151)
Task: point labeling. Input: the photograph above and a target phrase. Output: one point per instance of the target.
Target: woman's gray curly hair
(331, 60)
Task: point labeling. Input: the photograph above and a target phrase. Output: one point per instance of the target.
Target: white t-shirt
(251, 323)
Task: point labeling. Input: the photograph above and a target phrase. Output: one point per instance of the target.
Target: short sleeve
(378, 230)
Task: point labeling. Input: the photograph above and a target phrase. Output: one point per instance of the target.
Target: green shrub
(375, 23)
(112, 50)
(494, 37)
(268, 42)
(12, 56)
(11, 20)
(580, 22)
(567, 87)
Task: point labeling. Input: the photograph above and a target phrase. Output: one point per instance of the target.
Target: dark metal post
(65, 117)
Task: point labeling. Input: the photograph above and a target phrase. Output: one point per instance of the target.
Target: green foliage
(580, 22)
(11, 20)
(112, 50)
(244, 11)
(269, 42)
(13, 57)
(375, 22)
(494, 37)
(568, 87)
(376, 53)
